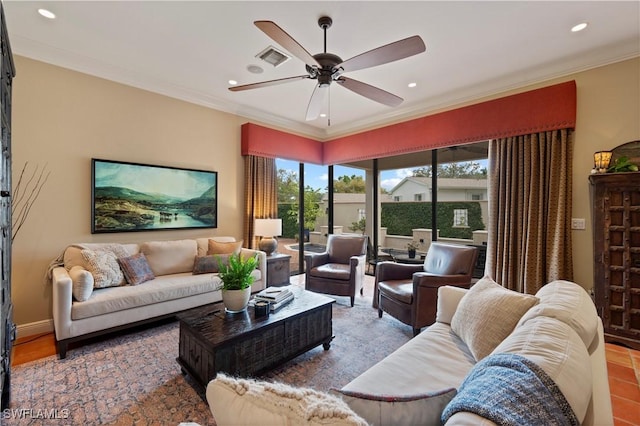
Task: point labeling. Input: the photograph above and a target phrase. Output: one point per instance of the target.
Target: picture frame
(130, 197)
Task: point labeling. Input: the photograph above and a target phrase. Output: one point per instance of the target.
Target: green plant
(413, 245)
(622, 164)
(360, 225)
(236, 274)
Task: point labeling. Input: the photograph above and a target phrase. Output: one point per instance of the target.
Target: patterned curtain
(530, 210)
(260, 194)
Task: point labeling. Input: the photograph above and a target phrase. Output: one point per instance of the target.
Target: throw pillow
(136, 269)
(487, 314)
(252, 402)
(81, 283)
(216, 247)
(104, 266)
(209, 264)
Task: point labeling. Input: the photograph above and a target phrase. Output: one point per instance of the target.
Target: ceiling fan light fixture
(273, 56)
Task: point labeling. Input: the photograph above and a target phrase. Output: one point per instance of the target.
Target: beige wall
(63, 118)
(608, 115)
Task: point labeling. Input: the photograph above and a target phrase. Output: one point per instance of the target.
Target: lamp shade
(601, 160)
(268, 227)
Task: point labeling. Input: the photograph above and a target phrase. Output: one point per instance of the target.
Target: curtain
(530, 210)
(260, 194)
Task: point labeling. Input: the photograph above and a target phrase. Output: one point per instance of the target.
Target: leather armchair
(409, 293)
(340, 269)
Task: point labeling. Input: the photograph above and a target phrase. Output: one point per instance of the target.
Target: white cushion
(448, 299)
(73, 257)
(82, 283)
(559, 351)
(170, 257)
(569, 303)
(487, 314)
(104, 266)
(252, 402)
(424, 372)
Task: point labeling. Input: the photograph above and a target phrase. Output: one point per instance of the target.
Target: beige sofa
(81, 311)
(557, 331)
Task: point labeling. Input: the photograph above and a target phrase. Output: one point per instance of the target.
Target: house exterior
(419, 189)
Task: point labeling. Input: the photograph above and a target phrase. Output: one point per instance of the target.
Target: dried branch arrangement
(25, 194)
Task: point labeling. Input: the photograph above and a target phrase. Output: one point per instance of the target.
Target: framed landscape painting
(141, 197)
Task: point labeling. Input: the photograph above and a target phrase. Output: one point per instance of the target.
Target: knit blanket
(509, 389)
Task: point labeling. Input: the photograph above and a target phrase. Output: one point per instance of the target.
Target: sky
(316, 176)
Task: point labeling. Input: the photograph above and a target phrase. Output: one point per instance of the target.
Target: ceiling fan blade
(370, 92)
(267, 83)
(316, 102)
(384, 54)
(281, 37)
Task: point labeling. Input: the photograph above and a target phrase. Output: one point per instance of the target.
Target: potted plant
(412, 246)
(236, 281)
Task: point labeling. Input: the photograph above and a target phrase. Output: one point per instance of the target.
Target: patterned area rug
(134, 378)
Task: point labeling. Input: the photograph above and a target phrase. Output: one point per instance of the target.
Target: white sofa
(174, 287)
(560, 334)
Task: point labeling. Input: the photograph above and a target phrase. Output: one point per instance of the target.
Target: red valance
(548, 108)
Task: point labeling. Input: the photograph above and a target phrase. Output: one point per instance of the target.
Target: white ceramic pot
(236, 300)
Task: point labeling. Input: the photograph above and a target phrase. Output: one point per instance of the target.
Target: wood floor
(623, 365)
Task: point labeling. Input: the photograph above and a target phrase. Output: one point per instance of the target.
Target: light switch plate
(578, 223)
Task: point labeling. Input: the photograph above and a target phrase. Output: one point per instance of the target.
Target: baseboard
(34, 328)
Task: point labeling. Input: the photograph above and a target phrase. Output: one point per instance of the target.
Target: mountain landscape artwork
(141, 197)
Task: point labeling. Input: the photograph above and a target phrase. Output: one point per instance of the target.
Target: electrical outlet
(578, 223)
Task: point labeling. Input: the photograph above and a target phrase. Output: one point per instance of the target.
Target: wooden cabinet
(616, 238)
(278, 269)
(7, 327)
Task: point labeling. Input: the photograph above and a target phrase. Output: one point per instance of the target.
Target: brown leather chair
(409, 293)
(340, 269)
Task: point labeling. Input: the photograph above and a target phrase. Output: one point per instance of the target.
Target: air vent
(273, 56)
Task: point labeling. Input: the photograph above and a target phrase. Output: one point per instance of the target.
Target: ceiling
(189, 50)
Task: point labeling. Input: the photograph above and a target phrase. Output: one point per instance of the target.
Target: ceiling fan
(327, 68)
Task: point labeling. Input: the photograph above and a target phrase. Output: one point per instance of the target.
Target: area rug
(134, 379)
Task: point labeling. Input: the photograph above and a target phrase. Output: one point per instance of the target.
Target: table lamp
(268, 229)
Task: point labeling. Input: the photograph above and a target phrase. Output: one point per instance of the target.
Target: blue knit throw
(509, 389)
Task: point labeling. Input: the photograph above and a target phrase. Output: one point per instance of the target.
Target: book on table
(274, 294)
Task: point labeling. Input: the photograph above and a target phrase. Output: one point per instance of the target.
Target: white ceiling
(189, 50)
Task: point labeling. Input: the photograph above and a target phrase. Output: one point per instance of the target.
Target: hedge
(400, 218)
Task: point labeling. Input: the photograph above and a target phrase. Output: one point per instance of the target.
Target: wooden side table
(278, 269)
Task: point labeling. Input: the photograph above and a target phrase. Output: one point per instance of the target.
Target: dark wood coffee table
(212, 340)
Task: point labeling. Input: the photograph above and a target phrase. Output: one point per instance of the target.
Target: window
(417, 197)
(397, 198)
(460, 218)
(476, 197)
(361, 214)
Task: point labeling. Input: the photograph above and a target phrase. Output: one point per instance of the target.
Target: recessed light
(412, 84)
(323, 115)
(579, 27)
(47, 13)
(233, 82)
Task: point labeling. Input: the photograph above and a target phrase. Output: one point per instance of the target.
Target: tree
(349, 184)
(287, 186)
(312, 198)
(461, 170)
